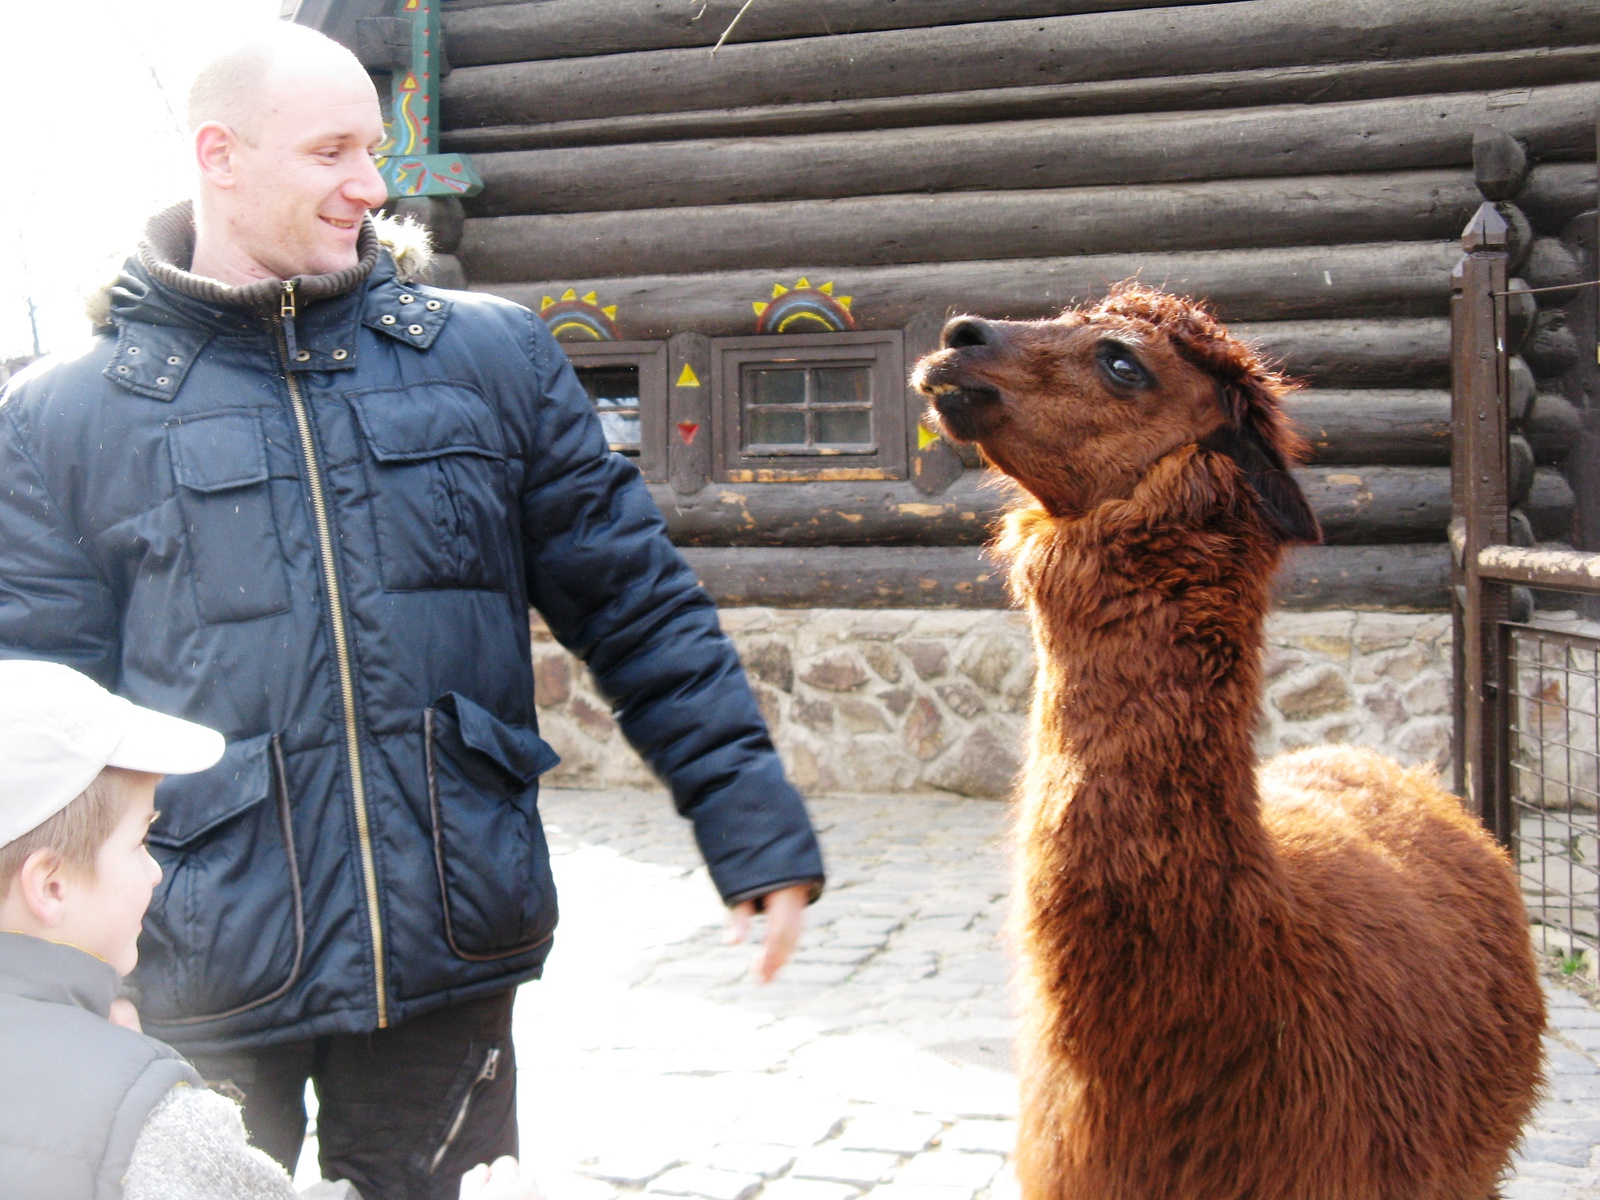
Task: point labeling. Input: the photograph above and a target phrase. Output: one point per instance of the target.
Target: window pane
(621, 430)
(776, 387)
(611, 387)
(843, 426)
(844, 385)
(777, 428)
(614, 391)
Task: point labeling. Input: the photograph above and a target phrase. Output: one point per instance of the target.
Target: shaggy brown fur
(1311, 983)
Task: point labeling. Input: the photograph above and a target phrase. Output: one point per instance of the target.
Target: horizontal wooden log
(1361, 506)
(1057, 223)
(851, 577)
(1357, 505)
(1555, 193)
(1553, 427)
(1387, 279)
(833, 514)
(1394, 352)
(1549, 504)
(1374, 427)
(1410, 133)
(1405, 577)
(1410, 427)
(523, 32)
(1066, 49)
(1500, 71)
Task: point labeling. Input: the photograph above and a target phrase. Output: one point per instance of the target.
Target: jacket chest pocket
(219, 462)
(437, 472)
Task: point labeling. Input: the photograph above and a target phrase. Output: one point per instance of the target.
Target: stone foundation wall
(917, 700)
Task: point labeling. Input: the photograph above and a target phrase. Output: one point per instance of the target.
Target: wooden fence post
(1479, 391)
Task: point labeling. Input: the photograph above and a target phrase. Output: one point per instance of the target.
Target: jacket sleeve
(616, 592)
(54, 604)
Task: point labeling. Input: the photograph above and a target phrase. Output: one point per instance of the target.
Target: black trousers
(401, 1112)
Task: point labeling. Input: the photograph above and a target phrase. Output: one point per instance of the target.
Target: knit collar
(168, 249)
(35, 969)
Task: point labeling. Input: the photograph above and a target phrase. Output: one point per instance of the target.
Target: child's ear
(45, 881)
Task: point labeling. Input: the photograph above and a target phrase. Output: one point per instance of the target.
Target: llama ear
(1260, 441)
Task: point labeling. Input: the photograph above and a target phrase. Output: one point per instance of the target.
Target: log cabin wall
(853, 172)
(1308, 167)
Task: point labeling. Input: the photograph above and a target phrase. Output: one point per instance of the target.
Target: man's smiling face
(303, 183)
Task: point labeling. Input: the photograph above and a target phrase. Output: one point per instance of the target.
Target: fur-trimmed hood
(168, 247)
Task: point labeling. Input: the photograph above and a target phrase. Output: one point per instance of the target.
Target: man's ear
(214, 148)
(1260, 440)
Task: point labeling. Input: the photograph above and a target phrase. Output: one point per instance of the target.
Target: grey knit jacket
(194, 1147)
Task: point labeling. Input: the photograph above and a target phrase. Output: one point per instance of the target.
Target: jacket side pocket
(219, 462)
(483, 788)
(228, 932)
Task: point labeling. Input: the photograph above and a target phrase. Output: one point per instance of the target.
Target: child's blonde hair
(77, 832)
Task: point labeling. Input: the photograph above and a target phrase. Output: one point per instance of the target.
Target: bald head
(236, 88)
(286, 126)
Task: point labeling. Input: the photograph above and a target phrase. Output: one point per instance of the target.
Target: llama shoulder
(1366, 840)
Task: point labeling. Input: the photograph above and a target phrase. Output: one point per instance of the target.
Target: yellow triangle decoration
(546, 303)
(777, 290)
(803, 283)
(590, 298)
(925, 437)
(844, 302)
(610, 310)
(687, 377)
(827, 288)
(570, 294)
(760, 306)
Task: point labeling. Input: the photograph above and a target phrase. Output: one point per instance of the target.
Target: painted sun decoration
(575, 319)
(803, 309)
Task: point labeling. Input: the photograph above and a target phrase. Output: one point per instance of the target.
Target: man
(307, 503)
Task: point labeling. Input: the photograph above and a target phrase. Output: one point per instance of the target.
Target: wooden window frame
(884, 350)
(651, 359)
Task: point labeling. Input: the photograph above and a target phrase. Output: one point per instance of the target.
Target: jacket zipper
(491, 1067)
(341, 646)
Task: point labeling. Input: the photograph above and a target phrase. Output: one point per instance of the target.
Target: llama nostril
(967, 331)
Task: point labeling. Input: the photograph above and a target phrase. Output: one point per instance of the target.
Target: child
(90, 1108)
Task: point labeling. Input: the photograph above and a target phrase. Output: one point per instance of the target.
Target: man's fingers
(738, 926)
(785, 911)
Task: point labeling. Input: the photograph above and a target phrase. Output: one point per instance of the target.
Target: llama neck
(1147, 618)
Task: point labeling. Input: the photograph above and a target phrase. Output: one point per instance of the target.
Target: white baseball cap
(59, 729)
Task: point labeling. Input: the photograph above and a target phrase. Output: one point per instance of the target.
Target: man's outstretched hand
(785, 911)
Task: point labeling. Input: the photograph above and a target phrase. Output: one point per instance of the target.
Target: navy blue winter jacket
(320, 534)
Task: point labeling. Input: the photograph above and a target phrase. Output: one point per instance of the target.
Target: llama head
(1077, 409)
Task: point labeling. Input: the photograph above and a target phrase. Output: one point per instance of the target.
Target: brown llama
(1314, 982)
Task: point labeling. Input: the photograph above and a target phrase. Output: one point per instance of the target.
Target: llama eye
(1123, 367)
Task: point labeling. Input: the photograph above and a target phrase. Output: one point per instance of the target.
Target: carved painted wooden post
(410, 161)
(935, 465)
(688, 411)
(1480, 390)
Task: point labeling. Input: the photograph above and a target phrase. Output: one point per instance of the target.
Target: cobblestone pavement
(879, 1061)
